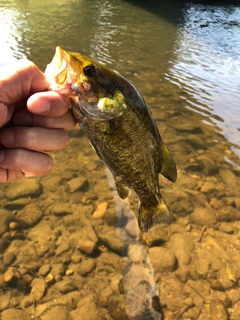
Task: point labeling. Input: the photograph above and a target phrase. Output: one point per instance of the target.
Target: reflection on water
(68, 245)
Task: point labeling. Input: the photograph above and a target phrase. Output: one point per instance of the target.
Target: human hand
(32, 121)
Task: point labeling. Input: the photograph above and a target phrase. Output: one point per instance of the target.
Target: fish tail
(151, 215)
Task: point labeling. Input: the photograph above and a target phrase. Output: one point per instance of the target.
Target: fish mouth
(56, 71)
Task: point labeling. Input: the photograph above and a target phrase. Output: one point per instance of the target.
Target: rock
(104, 296)
(228, 213)
(136, 253)
(61, 208)
(58, 269)
(3, 283)
(202, 266)
(9, 258)
(196, 142)
(76, 184)
(86, 246)
(162, 259)
(39, 287)
(156, 236)
(87, 307)
(65, 286)
(229, 178)
(44, 270)
(15, 314)
(226, 228)
(58, 311)
(203, 217)
(11, 274)
(76, 258)
(26, 302)
(234, 295)
(181, 246)
(29, 215)
(4, 243)
(86, 267)
(132, 228)
(63, 245)
(100, 210)
(5, 300)
(52, 183)
(24, 188)
(217, 310)
(117, 306)
(17, 204)
(208, 187)
(6, 217)
(208, 166)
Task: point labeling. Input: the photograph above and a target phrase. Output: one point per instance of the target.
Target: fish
(118, 123)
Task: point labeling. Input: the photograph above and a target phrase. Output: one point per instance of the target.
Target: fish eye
(89, 70)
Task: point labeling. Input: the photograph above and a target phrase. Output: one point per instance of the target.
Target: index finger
(22, 81)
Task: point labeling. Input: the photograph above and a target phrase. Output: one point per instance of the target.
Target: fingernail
(45, 106)
(8, 138)
(28, 174)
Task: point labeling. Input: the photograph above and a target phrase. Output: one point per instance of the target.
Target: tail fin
(149, 216)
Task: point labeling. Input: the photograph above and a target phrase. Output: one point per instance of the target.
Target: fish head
(87, 84)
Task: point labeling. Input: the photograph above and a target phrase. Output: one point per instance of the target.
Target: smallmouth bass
(120, 127)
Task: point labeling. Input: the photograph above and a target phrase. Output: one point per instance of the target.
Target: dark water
(183, 57)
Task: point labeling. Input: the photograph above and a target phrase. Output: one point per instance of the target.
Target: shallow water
(184, 59)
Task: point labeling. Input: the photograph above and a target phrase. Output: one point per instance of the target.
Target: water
(185, 60)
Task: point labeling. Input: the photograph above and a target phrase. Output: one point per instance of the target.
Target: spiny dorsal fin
(168, 166)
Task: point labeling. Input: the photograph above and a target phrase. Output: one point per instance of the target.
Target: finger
(20, 82)
(37, 139)
(49, 103)
(25, 118)
(7, 175)
(6, 113)
(30, 163)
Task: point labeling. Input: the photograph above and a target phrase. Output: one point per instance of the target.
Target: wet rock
(226, 228)
(24, 188)
(208, 166)
(229, 178)
(65, 286)
(39, 287)
(117, 307)
(52, 183)
(44, 270)
(208, 187)
(132, 228)
(87, 307)
(17, 204)
(203, 217)
(57, 311)
(58, 269)
(5, 300)
(228, 213)
(27, 302)
(181, 246)
(104, 296)
(86, 246)
(12, 274)
(155, 236)
(86, 267)
(6, 217)
(196, 142)
(4, 243)
(234, 295)
(29, 216)
(79, 183)
(202, 266)
(162, 259)
(217, 310)
(100, 210)
(76, 257)
(63, 245)
(8, 258)
(15, 314)
(61, 208)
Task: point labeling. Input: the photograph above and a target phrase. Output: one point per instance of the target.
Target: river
(184, 58)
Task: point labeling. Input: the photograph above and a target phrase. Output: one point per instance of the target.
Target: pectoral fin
(168, 166)
(122, 190)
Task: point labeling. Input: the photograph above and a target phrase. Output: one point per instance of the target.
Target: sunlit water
(184, 59)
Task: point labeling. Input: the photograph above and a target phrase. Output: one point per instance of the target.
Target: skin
(32, 121)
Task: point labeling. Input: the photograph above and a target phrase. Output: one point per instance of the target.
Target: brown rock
(217, 310)
(162, 259)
